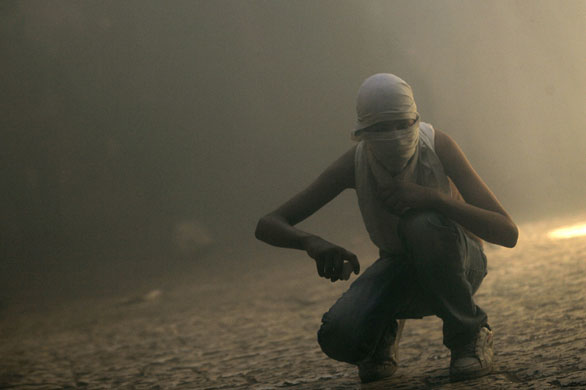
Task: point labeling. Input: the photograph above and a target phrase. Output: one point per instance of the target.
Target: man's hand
(402, 196)
(330, 259)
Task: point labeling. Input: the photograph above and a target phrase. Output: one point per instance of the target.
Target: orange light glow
(568, 232)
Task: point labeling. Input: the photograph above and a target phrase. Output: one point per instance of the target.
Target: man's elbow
(259, 231)
(512, 236)
(263, 228)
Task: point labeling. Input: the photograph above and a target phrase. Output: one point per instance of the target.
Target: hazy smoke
(121, 120)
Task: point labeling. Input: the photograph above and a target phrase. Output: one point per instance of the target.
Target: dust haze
(142, 138)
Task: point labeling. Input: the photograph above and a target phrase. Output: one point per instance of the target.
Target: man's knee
(429, 236)
(341, 340)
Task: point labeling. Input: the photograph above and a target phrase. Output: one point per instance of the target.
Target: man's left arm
(481, 213)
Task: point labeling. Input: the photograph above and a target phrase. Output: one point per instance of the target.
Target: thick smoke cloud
(125, 122)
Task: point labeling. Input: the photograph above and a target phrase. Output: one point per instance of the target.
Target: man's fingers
(338, 261)
(338, 264)
(395, 204)
(325, 269)
(386, 192)
(319, 263)
(353, 260)
(392, 200)
(328, 266)
(332, 265)
(347, 271)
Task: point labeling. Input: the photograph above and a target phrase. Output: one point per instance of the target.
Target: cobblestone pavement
(257, 329)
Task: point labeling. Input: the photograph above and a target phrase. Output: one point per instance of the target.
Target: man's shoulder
(342, 169)
(444, 144)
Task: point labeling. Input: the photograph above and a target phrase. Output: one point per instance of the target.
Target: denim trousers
(437, 273)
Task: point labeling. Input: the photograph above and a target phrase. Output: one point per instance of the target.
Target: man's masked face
(392, 144)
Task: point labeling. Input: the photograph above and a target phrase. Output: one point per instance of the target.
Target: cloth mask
(392, 149)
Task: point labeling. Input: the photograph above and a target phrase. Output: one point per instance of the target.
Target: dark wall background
(145, 131)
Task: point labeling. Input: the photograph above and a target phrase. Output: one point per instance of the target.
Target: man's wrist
(304, 240)
(438, 200)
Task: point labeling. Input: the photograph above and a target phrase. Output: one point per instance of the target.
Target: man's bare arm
(277, 228)
(482, 213)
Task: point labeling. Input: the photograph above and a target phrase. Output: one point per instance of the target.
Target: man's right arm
(277, 228)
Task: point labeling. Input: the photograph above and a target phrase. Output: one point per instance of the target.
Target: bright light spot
(568, 232)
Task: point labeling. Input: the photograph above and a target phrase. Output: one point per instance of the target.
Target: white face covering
(392, 149)
(386, 97)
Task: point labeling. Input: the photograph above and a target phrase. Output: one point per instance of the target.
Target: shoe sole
(470, 375)
(378, 377)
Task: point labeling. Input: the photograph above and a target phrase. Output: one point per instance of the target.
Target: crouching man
(427, 211)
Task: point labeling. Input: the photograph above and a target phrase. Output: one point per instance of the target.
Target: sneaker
(383, 361)
(474, 359)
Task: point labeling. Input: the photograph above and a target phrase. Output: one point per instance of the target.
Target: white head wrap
(384, 97)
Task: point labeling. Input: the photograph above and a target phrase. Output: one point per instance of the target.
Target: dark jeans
(441, 269)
